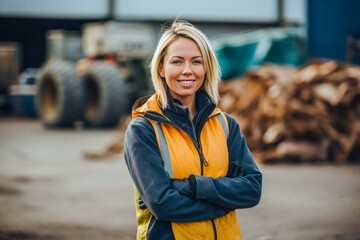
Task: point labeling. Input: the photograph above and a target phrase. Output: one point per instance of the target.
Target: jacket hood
(144, 104)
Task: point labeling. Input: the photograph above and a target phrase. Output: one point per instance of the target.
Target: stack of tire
(97, 98)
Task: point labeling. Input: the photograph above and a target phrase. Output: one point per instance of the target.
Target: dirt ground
(49, 191)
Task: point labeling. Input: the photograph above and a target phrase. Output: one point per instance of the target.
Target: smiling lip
(186, 82)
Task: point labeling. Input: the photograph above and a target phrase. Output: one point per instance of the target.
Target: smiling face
(183, 70)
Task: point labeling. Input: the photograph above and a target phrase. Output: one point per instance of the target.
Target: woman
(189, 161)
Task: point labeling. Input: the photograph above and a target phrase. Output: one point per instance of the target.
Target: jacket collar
(175, 114)
(180, 114)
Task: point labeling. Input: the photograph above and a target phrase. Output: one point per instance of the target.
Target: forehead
(183, 46)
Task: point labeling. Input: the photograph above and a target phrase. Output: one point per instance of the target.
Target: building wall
(27, 21)
(159, 10)
(69, 9)
(328, 26)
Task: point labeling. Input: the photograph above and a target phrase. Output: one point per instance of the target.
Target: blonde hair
(180, 28)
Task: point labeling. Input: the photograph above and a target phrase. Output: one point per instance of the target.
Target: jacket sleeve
(143, 159)
(243, 191)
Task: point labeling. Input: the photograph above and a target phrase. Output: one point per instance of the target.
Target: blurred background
(70, 72)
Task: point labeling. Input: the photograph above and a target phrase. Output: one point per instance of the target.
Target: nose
(187, 69)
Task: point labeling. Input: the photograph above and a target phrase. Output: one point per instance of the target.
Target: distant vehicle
(9, 71)
(95, 77)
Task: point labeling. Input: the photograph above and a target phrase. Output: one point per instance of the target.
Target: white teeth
(186, 82)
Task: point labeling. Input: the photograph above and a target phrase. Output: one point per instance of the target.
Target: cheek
(200, 72)
(171, 72)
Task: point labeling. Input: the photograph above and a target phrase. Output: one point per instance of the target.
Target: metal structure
(100, 87)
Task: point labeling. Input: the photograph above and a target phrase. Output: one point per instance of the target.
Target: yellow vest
(185, 160)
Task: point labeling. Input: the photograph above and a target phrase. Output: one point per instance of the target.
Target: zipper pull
(203, 160)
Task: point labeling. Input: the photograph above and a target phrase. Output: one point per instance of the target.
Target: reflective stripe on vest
(165, 150)
(223, 124)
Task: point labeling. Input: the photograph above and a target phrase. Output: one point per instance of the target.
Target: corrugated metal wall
(27, 21)
(54, 8)
(159, 10)
(200, 10)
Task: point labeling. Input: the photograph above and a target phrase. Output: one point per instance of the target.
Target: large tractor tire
(105, 95)
(60, 95)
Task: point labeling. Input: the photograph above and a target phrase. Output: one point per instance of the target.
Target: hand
(235, 170)
(186, 186)
(141, 203)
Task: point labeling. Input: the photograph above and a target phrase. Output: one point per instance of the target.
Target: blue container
(240, 52)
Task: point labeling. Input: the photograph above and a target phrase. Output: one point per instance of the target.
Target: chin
(186, 93)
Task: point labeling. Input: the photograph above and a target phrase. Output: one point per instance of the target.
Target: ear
(161, 70)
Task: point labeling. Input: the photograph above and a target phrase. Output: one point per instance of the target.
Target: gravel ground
(49, 191)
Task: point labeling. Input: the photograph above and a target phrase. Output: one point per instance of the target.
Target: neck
(188, 101)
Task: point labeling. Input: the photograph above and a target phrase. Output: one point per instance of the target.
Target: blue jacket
(159, 204)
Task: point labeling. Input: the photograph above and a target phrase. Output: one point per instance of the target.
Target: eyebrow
(183, 57)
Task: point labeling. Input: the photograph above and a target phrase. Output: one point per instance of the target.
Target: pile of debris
(310, 114)
(306, 115)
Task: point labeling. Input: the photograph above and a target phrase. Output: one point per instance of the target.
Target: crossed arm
(197, 198)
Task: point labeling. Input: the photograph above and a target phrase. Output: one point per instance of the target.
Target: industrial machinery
(9, 71)
(94, 77)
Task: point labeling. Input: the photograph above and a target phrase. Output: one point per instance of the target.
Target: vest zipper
(198, 145)
(202, 158)
(158, 117)
(214, 228)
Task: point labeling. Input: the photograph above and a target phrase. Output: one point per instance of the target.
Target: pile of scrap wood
(306, 115)
(310, 114)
